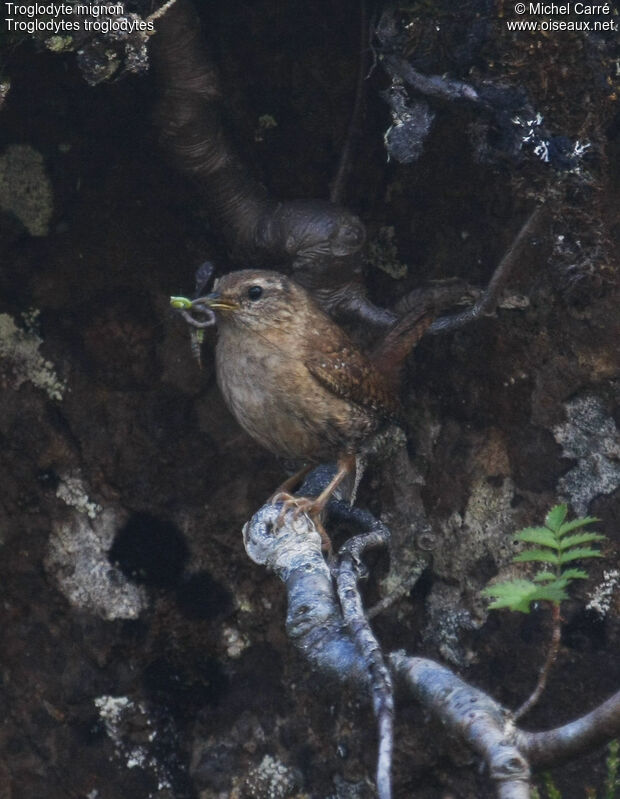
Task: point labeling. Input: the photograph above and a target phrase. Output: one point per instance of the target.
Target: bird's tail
(390, 353)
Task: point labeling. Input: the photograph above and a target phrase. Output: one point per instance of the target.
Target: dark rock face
(143, 653)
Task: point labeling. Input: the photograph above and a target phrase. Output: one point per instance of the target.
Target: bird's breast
(279, 403)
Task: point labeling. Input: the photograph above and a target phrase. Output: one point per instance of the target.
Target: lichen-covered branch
(468, 712)
(327, 622)
(348, 571)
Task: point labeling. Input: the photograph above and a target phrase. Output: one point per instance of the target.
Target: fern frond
(580, 538)
(582, 521)
(574, 574)
(578, 554)
(537, 555)
(519, 594)
(555, 518)
(515, 594)
(544, 577)
(539, 535)
(555, 548)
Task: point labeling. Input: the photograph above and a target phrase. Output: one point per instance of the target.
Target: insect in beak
(217, 302)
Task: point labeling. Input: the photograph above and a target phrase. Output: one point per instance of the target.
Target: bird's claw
(298, 505)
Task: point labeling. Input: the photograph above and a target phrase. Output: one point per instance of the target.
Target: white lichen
(111, 709)
(234, 641)
(602, 595)
(21, 360)
(271, 779)
(25, 188)
(123, 719)
(590, 435)
(73, 492)
(77, 560)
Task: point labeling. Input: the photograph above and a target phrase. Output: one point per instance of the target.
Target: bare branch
(575, 738)
(485, 725)
(491, 295)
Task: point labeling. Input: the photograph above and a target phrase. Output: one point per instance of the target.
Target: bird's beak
(217, 302)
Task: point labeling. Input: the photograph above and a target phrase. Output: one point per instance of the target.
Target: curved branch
(489, 299)
(575, 738)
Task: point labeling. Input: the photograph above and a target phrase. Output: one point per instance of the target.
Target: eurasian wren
(294, 379)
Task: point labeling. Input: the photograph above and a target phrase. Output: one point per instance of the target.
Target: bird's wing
(339, 366)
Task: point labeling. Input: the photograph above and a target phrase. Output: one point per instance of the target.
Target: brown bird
(296, 382)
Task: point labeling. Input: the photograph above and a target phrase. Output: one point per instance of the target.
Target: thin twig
(490, 297)
(344, 165)
(552, 653)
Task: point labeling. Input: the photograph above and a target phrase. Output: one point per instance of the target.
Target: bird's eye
(255, 293)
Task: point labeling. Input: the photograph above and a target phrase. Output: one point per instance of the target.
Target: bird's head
(256, 299)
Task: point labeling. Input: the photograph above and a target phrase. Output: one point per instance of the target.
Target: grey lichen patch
(447, 623)
(481, 535)
(59, 44)
(73, 492)
(21, 361)
(77, 560)
(602, 596)
(25, 188)
(5, 88)
(271, 779)
(590, 435)
(482, 532)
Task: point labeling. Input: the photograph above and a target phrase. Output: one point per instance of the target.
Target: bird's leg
(314, 506)
(289, 484)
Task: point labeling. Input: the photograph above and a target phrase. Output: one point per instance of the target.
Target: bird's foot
(312, 507)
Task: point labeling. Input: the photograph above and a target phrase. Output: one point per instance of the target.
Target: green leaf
(541, 555)
(576, 524)
(552, 592)
(550, 786)
(539, 535)
(519, 594)
(580, 538)
(574, 574)
(514, 594)
(578, 554)
(543, 577)
(555, 517)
